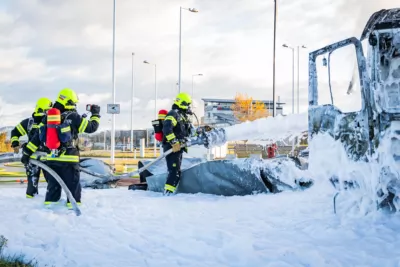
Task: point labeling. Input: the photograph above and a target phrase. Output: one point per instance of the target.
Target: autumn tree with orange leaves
(246, 109)
(4, 145)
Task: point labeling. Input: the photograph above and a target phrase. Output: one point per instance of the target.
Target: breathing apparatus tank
(158, 125)
(53, 120)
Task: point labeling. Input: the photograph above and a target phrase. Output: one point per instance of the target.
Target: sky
(47, 45)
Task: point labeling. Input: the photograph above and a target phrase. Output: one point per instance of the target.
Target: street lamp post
(298, 75)
(273, 63)
(105, 132)
(292, 48)
(113, 91)
(180, 41)
(132, 98)
(192, 84)
(155, 101)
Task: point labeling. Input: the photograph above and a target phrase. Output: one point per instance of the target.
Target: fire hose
(203, 138)
(60, 181)
(40, 164)
(199, 140)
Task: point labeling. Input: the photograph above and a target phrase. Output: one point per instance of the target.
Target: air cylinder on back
(53, 119)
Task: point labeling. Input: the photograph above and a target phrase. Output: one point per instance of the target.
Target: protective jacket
(28, 126)
(68, 151)
(176, 127)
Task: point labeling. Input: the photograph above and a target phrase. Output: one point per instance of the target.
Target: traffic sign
(113, 108)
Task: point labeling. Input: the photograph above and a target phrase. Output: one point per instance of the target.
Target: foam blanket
(237, 177)
(97, 166)
(161, 166)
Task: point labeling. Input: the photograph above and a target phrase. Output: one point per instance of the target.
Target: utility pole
(113, 92)
(180, 48)
(273, 69)
(298, 77)
(193, 10)
(132, 98)
(292, 48)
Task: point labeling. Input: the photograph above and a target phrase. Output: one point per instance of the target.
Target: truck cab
(371, 131)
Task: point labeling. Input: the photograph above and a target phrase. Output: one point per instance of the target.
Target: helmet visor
(185, 104)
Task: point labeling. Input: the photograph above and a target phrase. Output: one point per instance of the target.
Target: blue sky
(46, 45)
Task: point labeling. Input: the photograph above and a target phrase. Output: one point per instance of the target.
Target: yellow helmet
(42, 105)
(183, 100)
(68, 98)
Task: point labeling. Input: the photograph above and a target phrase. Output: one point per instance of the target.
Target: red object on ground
(271, 150)
(53, 119)
(161, 116)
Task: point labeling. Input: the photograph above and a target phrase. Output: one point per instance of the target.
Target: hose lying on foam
(61, 182)
(129, 174)
(52, 173)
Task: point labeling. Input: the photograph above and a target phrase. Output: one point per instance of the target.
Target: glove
(95, 110)
(176, 147)
(25, 158)
(16, 149)
(207, 128)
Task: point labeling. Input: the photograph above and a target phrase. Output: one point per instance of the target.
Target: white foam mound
(119, 227)
(328, 158)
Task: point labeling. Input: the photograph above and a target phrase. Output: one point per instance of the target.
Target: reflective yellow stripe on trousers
(170, 187)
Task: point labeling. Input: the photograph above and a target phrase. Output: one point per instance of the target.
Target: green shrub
(12, 261)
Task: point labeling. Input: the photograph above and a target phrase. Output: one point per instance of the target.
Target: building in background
(102, 139)
(122, 138)
(218, 112)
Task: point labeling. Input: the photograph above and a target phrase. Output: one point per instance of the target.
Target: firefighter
(176, 128)
(64, 160)
(29, 127)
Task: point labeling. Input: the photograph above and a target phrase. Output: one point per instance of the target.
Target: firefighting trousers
(33, 174)
(174, 161)
(70, 174)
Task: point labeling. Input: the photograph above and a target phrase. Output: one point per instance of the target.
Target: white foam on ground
(327, 157)
(133, 228)
(124, 228)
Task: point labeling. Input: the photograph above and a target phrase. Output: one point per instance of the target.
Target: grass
(122, 161)
(15, 260)
(12, 174)
(119, 169)
(120, 165)
(14, 164)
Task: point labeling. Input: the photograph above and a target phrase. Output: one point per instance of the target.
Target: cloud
(48, 45)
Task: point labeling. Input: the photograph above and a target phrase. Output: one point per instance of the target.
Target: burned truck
(370, 134)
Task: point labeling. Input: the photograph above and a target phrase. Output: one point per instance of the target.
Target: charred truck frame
(373, 133)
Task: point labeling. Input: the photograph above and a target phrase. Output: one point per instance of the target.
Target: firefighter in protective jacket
(64, 160)
(176, 129)
(29, 127)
